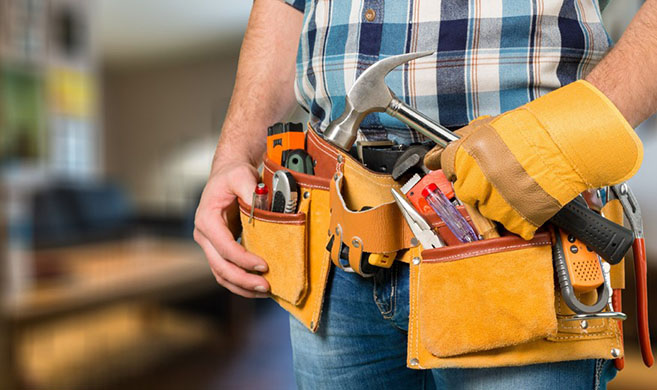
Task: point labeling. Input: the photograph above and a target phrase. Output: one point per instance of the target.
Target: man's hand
(263, 95)
(231, 264)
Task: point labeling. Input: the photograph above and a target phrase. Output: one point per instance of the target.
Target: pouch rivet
(584, 324)
(414, 362)
(414, 242)
(615, 352)
(416, 260)
(340, 158)
(355, 243)
(306, 195)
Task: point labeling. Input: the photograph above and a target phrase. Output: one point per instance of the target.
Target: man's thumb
(245, 186)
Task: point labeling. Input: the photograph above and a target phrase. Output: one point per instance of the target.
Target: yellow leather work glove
(521, 167)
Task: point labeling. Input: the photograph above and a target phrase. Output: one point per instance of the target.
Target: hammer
(371, 94)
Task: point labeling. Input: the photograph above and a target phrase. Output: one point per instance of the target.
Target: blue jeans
(361, 344)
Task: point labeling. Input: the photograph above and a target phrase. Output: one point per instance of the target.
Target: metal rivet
(306, 195)
(312, 324)
(370, 15)
(414, 242)
(615, 352)
(355, 243)
(414, 362)
(584, 324)
(416, 260)
(340, 159)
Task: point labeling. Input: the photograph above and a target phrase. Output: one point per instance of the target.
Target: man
(536, 46)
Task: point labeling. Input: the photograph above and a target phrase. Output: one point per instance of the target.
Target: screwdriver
(449, 214)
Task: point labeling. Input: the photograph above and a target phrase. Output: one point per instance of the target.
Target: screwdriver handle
(610, 240)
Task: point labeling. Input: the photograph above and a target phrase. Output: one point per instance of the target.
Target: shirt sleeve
(297, 4)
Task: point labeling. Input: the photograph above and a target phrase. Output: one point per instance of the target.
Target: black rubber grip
(610, 240)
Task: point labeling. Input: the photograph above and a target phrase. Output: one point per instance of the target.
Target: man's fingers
(229, 271)
(222, 240)
(236, 289)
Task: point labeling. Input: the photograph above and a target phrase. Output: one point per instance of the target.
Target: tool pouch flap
(495, 293)
(281, 240)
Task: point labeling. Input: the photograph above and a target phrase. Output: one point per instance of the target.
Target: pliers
(419, 226)
(632, 213)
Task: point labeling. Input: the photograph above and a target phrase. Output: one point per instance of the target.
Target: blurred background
(109, 114)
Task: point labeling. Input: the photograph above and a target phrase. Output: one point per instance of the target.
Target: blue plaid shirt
(491, 55)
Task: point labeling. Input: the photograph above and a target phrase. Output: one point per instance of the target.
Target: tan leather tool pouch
(494, 303)
(484, 295)
(293, 245)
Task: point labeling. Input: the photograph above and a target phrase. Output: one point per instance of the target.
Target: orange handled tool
(282, 137)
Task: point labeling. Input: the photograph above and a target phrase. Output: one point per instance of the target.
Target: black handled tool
(610, 240)
(285, 193)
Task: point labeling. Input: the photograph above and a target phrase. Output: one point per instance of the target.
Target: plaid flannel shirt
(491, 55)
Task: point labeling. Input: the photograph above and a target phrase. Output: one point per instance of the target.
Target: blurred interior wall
(162, 122)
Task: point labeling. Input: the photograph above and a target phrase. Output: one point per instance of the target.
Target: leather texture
(485, 295)
(520, 167)
(280, 239)
(429, 340)
(613, 211)
(298, 289)
(364, 215)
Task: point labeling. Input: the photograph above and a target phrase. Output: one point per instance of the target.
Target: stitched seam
(384, 313)
(323, 148)
(415, 315)
(393, 293)
(598, 372)
(320, 297)
(379, 181)
(579, 327)
(459, 256)
(581, 336)
(302, 184)
(246, 213)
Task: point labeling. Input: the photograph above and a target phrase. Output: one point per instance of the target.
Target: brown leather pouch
(493, 303)
(294, 246)
(484, 295)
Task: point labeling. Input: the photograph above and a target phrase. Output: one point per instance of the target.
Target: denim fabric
(361, 344)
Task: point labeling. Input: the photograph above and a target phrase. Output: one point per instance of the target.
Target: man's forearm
(628, 73)
(264, 85)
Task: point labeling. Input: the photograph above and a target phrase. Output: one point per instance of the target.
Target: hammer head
(368, 94)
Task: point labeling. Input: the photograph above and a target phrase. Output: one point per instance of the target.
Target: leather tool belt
(487, 303)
